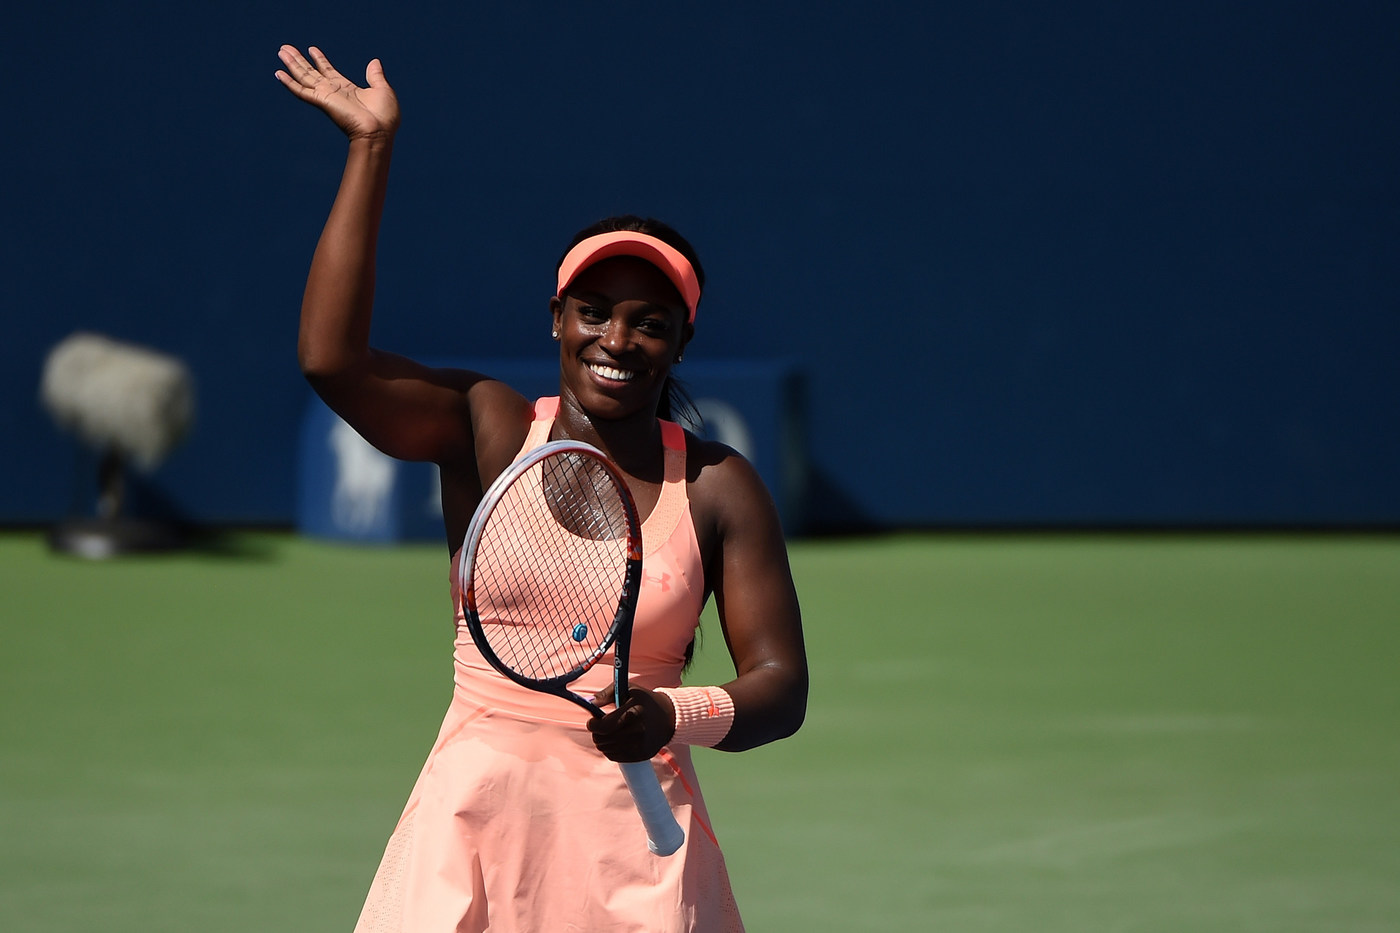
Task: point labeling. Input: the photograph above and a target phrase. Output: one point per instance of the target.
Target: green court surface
(1006, 733)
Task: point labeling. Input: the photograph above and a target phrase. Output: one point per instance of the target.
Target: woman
(517, 821)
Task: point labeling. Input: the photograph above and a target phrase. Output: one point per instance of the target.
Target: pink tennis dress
(518, 824)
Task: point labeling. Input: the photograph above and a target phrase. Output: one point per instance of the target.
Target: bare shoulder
(492, 402)
(500, 419)
(709, 463)
(726, 492)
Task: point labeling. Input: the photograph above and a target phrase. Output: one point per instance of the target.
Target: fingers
(323, 64)
(309, 74)
(635, 731)
(299, 77)
(620, 735)
(298, 68)
(374, 74)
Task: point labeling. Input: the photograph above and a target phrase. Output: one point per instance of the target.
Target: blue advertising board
(348, 490)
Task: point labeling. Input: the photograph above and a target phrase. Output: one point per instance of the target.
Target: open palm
(358, 111)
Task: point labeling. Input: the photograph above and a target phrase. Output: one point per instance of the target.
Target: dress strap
(545, 410)
(546, 407)
(671, 505)
(673, 436)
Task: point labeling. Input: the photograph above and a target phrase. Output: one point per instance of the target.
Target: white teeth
(609, 372)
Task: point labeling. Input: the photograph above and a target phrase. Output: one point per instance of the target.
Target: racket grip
(664, 834)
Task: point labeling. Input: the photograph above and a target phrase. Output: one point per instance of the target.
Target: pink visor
(630, 243)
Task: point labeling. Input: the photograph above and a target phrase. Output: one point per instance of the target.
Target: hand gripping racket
(551, 568)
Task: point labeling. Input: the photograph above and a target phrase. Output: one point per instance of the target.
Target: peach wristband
(703, 714)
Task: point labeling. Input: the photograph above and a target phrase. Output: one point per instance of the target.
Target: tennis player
(516, 822)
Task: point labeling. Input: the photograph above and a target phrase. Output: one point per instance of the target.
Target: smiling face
(621, 324)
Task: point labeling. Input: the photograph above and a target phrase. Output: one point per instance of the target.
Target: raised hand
(371, 111)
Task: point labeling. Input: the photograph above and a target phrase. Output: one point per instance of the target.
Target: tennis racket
(551, 568)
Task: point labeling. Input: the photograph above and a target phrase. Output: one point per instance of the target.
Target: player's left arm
(746, 567)
(749, 574)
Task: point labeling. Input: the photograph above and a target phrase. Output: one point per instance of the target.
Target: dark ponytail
(676, 404)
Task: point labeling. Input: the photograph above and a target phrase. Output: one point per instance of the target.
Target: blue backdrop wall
(1078, 263)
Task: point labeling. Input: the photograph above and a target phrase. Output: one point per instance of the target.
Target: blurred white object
(131, 405)
(118, 397)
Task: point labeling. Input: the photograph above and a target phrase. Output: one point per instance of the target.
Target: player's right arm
(407, 410)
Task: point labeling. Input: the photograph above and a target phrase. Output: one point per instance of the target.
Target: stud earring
(554, 334)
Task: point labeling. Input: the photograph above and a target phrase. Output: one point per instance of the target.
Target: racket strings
(583, 497)
(549, 567)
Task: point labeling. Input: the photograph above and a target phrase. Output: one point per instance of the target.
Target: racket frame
(664, 834)
(619, 634)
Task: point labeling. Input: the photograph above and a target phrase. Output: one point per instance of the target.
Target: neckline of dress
(658, 525)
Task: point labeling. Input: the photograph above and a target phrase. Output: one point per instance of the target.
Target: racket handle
(664, 834)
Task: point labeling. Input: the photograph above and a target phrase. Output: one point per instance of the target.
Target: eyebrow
(598, 298)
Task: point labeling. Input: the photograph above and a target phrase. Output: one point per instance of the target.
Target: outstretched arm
(407, 410)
